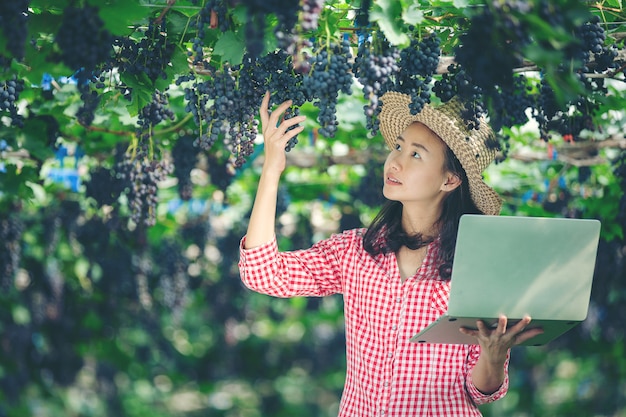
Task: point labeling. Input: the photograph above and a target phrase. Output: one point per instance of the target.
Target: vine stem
(170, 4)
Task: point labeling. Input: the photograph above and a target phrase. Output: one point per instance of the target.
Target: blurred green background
(103, 317)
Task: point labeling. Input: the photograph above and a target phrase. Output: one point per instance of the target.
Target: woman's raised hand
(276, 135)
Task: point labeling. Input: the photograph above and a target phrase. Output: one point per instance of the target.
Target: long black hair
(386, 233)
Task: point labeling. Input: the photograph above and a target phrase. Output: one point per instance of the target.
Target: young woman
(394, 276)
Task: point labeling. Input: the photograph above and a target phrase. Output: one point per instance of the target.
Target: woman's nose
(394, 162)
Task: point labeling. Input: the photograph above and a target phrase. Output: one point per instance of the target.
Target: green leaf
(230, 48)
(386, 13)
(142, 91)
(14, 180)
(413, 15)
(121, 16)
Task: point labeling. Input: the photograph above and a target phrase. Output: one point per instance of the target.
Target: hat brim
(395, 117)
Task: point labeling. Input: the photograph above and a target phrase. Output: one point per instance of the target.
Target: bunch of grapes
(278, 76)
(151, 55)
(142, 174)
(589, 39)
(11, 228)
(103, 186)
(173, 277)
(491, 47)
(509, 105)
(9, 95)
(13, 20)
(220, 171)
(90, 98)
(375, 67)
(457, 83)
(139, 169)
(195, 102)
(184, 158)
(417, 64)
(83, 40)
(330, 74)
(256, 12)
(310, 14)
(154, 113)
(228, 114)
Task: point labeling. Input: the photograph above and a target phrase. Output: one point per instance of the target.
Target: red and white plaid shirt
(387, 375)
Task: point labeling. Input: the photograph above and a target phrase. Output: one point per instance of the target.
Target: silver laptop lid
(516, 266)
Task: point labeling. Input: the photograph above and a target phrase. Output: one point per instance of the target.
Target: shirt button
(386, 384)
(398, 300)
(390, 354)
(394, 327)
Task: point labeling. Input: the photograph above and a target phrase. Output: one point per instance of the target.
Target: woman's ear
(452, 181)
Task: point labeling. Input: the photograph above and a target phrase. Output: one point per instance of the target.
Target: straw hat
(470, 146)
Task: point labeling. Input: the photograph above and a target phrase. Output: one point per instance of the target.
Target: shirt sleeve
(309, 272)
(478, 397)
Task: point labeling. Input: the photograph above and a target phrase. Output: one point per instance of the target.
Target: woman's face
(415, 171)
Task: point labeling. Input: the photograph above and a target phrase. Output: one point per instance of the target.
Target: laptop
(517, 266)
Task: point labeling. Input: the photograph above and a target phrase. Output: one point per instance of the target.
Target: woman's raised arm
(261, 227)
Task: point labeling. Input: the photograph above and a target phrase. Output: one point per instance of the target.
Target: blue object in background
(66, 176)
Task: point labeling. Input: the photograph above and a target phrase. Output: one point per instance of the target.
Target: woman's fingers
(273, 119)
(264, 111)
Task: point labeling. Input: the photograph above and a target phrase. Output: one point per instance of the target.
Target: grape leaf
(230, 47)
(385, 13)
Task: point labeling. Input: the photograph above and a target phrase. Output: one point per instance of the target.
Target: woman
(394, 276)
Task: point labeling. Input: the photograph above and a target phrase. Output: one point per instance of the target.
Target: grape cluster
(213, 14)
(173, 277)
(154, 113)
(287, 16)
(310, 14)
(184, 158)
(83, 40)
(221, 172)
(569, 119)
(139, 169)
(290, 113)
(103, 186)
(590, 38)
(491, 47)
(277, 75)
(228, 111)
(417, 64)
(224, 106)
(151, 55)
(330, 74)
(509, 106)
(375, 67)
(142, 174)
(13, 20)
(11, 228)
(9, 95)
(90, 98)
(457, 83)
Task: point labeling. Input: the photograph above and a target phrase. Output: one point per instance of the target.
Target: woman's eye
(397, 147)
(416, 155)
